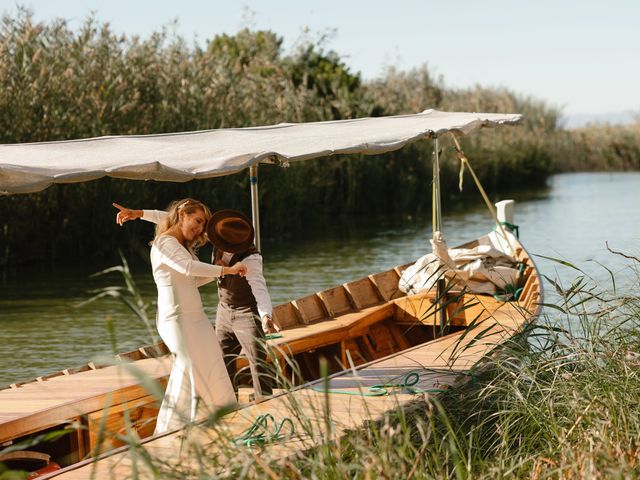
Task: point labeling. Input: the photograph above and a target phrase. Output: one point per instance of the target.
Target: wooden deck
(439, 364)
(93, 396)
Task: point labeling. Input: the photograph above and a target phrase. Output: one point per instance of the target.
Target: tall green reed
(59, 83)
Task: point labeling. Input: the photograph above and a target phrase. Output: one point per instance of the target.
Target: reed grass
(562, 400)
(598, 147)
(60, 83)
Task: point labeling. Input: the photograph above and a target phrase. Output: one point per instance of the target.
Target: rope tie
(513, 227)
(382, 389)
(465, 162)
(258, 433)
(511, 293)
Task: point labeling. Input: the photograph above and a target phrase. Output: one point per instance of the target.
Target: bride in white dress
(199, 382)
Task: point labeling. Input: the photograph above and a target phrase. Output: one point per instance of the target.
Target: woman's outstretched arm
(125, 214)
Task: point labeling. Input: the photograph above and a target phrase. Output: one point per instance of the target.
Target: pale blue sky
(582, 55)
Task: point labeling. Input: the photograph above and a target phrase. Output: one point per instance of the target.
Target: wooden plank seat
(462, 309)
(334, 315)
(325, 332)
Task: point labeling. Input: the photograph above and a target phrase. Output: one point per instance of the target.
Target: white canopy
(179, 157)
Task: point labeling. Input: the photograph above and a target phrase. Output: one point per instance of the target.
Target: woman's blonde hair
(188, 206)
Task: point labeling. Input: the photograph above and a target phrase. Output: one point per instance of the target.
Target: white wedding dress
(199, 382)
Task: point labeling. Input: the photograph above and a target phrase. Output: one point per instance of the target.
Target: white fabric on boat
(482, 269)
(497, 240)
(179, 157)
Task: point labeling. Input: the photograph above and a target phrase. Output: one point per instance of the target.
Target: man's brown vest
(234, 290)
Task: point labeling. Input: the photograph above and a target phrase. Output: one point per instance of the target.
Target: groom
(244, 312)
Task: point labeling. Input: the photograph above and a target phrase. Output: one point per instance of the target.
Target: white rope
(465, 162)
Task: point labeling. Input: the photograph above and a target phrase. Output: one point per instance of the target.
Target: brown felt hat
(230, 231)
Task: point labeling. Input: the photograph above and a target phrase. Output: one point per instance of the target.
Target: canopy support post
(437, 227)
(255, 207)
(437, 220)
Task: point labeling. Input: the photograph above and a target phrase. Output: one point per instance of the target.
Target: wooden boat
(354, 327)
(349, 325)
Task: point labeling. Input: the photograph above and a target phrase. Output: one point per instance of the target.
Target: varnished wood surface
(39, 405)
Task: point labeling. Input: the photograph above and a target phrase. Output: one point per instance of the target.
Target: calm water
(43, 330)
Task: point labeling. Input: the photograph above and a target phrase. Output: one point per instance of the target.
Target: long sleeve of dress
(178, 258)
(154, 216)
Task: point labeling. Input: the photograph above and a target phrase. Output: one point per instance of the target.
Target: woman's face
(192, 224)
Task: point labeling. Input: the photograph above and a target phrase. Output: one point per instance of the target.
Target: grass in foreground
(560, 401)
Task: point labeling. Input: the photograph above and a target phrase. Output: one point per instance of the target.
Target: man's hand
(269, 326)
(125, 214)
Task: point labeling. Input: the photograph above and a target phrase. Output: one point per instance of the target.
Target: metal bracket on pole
(255, 206)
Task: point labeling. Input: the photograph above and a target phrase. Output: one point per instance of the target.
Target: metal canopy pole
(255, 207)
(436, 182)
(437, 227)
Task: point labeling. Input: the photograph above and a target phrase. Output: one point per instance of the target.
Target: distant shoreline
(579, 120)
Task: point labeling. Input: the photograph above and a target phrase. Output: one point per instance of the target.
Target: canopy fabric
(179, 157)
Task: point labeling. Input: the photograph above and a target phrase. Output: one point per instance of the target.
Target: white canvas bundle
(482, 269)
